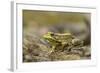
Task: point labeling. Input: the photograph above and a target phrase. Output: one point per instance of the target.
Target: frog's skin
(58, 41)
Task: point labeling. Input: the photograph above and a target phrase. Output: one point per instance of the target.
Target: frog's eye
(52, 34)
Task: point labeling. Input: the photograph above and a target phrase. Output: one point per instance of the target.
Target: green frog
(59, 41)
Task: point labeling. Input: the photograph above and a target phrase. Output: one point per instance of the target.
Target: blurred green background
(51, 17)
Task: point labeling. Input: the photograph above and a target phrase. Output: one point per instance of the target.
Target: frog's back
(64, 37)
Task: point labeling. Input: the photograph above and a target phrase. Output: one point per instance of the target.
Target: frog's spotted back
(64, 37)
(58, 36)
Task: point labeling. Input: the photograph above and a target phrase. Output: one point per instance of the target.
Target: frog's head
(48, 36)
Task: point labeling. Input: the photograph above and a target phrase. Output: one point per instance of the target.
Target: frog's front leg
(52, 49)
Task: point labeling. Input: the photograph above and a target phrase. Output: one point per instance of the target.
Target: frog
(58, 41)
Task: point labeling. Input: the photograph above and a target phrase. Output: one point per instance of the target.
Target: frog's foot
(52, 49)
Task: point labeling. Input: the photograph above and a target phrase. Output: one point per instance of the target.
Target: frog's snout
(48, 35)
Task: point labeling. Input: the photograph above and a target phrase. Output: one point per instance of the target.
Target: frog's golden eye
(52, 34)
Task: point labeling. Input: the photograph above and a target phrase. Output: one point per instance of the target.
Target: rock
(56, 56)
